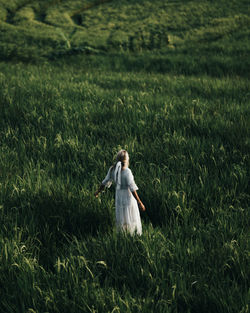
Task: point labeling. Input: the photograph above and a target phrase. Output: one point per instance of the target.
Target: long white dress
(126, 207)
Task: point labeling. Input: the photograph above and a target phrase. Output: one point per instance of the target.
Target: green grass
(68, 104)
(35, 30)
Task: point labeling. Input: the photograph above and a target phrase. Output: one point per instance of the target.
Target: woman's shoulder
(127, 171)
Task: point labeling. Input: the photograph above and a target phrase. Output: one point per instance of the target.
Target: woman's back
(126, 199)
(127, 179)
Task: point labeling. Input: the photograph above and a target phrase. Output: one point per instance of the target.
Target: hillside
(34, 30)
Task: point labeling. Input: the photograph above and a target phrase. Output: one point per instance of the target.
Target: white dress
(126, 207)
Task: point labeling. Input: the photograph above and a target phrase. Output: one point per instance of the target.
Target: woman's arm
(140, 204)
(100, 189)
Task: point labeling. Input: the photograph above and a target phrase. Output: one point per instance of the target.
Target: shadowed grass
(189, 147)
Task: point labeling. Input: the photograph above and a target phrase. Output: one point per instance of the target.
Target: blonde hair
(123, 157)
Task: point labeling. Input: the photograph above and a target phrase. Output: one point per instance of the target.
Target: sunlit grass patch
(24, 14)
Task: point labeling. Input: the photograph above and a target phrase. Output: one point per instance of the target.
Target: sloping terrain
(37, 29)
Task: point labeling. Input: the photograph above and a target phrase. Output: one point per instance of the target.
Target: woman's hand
(101, 188)
(141, 206)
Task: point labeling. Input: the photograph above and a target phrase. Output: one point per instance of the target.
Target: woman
(126, 197)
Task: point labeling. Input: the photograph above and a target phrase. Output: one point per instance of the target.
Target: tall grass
(188, 137)
(73, 91)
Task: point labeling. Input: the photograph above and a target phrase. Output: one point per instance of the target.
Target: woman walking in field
(126, 197)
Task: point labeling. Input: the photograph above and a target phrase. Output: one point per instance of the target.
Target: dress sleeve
(107, 182)
(131, 182)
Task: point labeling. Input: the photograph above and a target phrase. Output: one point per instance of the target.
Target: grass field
(169, 82)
